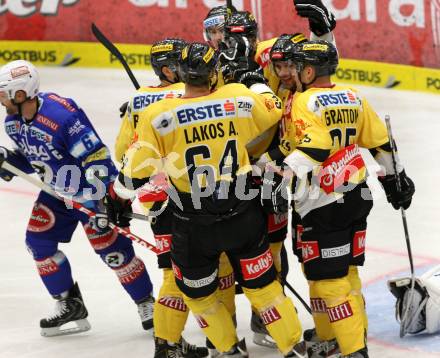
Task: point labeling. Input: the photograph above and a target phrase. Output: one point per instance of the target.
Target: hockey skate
(165, 350)
(362, 353)
(213, 352)
(145, 310)
(69, 309)
(316, 348)
(261, 336)
(192, 351)
(239, 350)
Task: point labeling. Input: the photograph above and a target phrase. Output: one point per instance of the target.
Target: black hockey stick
(115, 52)
(405, 224)
(304, 303)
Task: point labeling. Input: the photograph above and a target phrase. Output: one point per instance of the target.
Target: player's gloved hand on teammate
(123, 109)
(274, 196)
(117, 208)
(398, 198)
(251, 78)
(4, 174)
(321, 20)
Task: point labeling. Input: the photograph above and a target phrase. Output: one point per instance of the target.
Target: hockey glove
(321, 20)
(274, 196)
(251, 78)
(117, 208)
(398, 198)
(4, 174)
(123, 109)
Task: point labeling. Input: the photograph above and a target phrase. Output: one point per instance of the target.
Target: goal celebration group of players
(212, 153)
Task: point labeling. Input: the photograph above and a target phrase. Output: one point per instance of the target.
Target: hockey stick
(115, 52)
(405, 224)
(47, 189)
(304, 303)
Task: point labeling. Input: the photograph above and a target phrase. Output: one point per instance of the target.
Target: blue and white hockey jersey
(61, 146)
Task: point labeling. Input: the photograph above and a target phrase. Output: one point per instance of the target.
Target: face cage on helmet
(289, 61)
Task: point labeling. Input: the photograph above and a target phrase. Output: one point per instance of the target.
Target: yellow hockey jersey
(143, 98)
(202, 138)
(330, 125)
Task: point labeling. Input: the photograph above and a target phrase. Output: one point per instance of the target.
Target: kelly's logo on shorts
(255, 267)
(310, 250)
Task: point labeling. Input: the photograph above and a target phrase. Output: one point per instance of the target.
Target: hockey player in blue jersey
(54, 138)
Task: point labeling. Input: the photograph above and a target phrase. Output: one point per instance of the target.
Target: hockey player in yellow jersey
(331, 125)
(203, 137)
(170, 313)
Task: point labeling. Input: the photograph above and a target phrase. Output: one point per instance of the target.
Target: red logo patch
(47, 122)
(47, 267)
(237, 29)
(19, 71)
(359, 243)
(277, 221)
(340, 312)
(202, 323)
(299, 232)
(270, 315)
(130, 272)
(226, 281)
(277, 55)
(163, 243)
(229, 106)
(310, 250)
(318, 305)
(176, 271)
(99, 240)
(256, 266)
(42, 219)
(175, 303)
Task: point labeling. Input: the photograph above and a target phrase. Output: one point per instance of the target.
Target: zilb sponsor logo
(47, 57)
(255, 267)
(24, 8)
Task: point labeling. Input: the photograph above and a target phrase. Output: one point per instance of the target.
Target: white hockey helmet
(19, 75)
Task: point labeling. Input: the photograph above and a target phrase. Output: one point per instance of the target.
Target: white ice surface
(116, 329)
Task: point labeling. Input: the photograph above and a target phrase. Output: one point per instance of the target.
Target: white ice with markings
(116, 328)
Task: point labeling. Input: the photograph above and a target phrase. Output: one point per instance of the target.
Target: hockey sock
(170, 311)
(278, 314)
(345, 315)
(226, 286)
(356, 289)
(215, 320)
(275, 248)
(56, 273)
(319, 312)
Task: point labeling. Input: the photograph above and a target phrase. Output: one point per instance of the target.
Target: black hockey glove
(117, 208)
(274, 196)
(251, 78)
(4, 174)
(123, 109)
(398, 198)
(321, 20)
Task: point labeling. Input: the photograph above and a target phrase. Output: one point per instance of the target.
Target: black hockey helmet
(166, 53)
(241, 23)
(322, 55)
(197, 64)
(216, 17)
(283, 48)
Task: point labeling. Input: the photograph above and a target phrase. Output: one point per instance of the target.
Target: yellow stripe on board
(93, 54)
